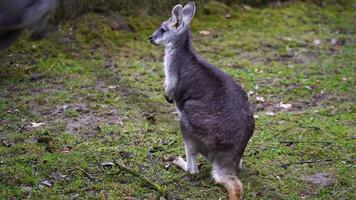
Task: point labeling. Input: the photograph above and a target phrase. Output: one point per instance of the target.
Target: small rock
(228, 16)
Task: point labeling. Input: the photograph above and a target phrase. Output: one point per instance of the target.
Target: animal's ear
(188, 12)
(177, 14)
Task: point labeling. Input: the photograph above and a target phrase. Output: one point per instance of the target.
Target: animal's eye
(163, 30)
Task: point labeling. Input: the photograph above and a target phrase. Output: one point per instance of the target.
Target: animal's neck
(182, 47)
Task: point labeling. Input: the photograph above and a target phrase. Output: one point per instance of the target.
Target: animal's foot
(180, 163)
(192, 169)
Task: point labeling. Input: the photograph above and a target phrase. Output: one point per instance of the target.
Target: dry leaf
(205, 33)
(107, 164)
(270, 113)
(113, 86)
(333, 41)
(46, 183)
(317, 42)
(34, 124)
(285, 105)
(260, 99)
(246, 7)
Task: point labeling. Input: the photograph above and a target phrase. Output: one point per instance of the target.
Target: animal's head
(171, 30)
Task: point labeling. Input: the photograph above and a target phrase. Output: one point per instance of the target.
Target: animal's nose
(151, 39)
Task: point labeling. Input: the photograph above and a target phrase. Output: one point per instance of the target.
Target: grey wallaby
(17, 15)
(214, 113)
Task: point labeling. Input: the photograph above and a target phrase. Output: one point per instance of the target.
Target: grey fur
(17, 15)
(214, 112)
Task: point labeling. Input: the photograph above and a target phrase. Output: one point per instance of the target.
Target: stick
(305, 162)
(154, 165)
(288, 39)
(304, 141)
(155, 186)
(87, 175)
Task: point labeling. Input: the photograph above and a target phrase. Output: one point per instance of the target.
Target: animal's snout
(151, 39)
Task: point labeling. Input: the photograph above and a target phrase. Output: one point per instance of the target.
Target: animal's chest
(170, 71)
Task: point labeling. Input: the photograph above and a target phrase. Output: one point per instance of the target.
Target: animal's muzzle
(152, 40)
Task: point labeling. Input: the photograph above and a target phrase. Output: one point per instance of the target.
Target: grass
(99, 94)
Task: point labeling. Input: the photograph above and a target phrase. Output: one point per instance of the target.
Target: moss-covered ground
(99, 94)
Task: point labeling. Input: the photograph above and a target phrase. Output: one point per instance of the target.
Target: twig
(155, 186)
(154, 165)
(304, 162)
(304, 141)
(288, 39)
(88, 175)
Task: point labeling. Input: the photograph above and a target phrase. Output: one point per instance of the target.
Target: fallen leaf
(205, 33)
(107, 164)
(322, 179)
(308, 87)
(6, 143)
(113, 86)
(35, 125)
(260, 99)
(316, 42)
(27, 189)
(46, 183)
(246, 7)
(270, 113)
(285, 106)
(333, 41)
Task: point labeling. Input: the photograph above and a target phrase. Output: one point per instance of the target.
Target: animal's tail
(230, 181)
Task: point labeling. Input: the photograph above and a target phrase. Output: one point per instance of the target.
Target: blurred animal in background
(19, 15)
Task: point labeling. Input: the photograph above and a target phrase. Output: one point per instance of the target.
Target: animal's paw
(193, 169)
(179, 161)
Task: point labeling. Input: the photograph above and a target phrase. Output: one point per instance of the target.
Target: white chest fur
(170, 80)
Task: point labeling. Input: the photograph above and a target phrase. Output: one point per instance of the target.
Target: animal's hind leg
(229, 180)
(190, 150)
(191, 154)
(179, 161)
(191, 164)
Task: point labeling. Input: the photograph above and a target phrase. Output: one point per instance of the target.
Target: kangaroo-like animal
(214, 113)
(17, 15)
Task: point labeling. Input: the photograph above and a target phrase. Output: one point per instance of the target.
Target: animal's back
(217, 108)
